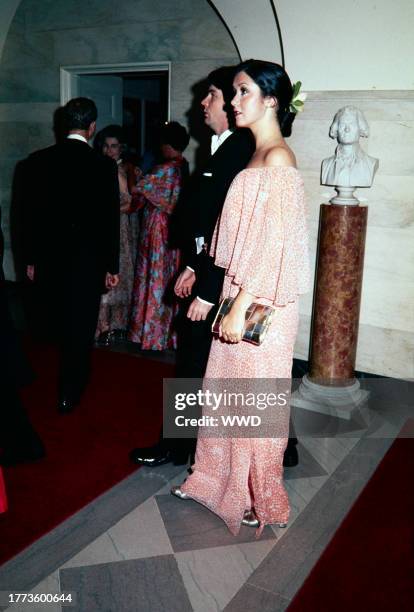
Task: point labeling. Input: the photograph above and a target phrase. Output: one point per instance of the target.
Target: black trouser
(194, 341)
(194, 344)
(70, 306)
(76, 342)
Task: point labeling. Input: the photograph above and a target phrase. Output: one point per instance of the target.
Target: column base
(340, 402)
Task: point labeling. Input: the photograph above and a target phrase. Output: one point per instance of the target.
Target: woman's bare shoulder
(280, 156)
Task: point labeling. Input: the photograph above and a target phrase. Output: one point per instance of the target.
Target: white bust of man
(350, 166)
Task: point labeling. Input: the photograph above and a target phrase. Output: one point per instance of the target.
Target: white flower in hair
(298, 99)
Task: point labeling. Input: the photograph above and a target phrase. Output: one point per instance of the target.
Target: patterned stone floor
(137, 548)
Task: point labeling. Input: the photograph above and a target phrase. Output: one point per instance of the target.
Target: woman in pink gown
(261, 241)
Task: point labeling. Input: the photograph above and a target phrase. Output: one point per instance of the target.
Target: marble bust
(350, 166)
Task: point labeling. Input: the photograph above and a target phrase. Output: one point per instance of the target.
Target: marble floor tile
(191, 526)
(141, 533)
(309, 423)
(176, 480)
(308, 466)
(213, 576)
(101, 550)
(139, 585)
(252, 599)
(329, 452)
(307, 487)
(51, 584)
(390, 420)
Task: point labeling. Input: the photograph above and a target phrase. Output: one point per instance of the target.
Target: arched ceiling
(251, 24)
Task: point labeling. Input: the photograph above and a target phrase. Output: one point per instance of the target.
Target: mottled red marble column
(337, 301)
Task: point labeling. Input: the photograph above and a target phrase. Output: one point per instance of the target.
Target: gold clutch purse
(258, 319)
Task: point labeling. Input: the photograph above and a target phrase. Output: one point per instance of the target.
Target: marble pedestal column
(330, 387)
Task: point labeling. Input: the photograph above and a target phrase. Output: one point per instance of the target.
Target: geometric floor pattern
(168, 554)
(160, 553)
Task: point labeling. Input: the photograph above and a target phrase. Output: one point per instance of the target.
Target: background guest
(115, 305)
(72, 241)
(152, 312)
(19, 442)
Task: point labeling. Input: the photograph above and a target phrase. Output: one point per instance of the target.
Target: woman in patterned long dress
(153, 311)
(261, 241)
(115, 305)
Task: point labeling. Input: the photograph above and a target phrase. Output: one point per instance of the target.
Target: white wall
(339, 45)
(253, 28)
(386, 331)
(7, 11)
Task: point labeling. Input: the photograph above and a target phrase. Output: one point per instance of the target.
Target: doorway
(135, 96)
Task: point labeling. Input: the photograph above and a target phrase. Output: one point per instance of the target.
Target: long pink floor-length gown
(261, 239)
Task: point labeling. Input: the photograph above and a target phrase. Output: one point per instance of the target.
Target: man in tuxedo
(72, 241)
(201, 281)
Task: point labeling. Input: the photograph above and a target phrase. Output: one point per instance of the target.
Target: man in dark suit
(201, 280)
(72, 241)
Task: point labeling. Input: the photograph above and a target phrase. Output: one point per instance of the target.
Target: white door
(106, 92)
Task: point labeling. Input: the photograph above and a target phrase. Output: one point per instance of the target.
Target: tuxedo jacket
(207, 201)
(71, 213)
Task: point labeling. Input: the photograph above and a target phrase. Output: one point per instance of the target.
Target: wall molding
(69, 75)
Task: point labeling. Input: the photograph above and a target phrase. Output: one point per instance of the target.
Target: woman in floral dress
(115, 305)
(153, 310)
(261, 241)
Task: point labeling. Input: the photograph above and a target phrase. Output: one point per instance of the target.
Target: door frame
(69, 76)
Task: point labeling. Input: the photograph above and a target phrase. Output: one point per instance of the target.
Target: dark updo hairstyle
(174, 134)
(273, 81)
(110, 131)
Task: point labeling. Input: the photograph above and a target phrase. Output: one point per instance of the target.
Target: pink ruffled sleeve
(261, 238)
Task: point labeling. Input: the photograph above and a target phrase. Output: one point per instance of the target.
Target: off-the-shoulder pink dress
(261, 239)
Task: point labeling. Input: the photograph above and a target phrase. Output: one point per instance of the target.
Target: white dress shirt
(77, 137)
(218, 139)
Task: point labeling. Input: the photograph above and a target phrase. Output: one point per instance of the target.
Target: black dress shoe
(66, 405)
(149, 457)
(291, 456)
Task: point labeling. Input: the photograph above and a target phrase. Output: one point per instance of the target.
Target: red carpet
(87, 451)
(369, 563)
